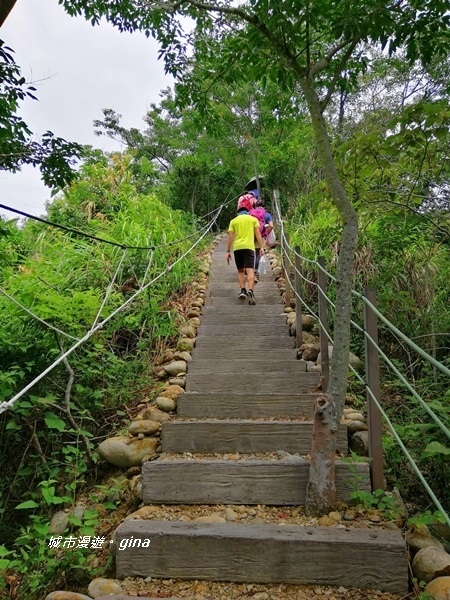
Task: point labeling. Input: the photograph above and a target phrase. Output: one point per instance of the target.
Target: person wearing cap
(242, 232)
(259, 211)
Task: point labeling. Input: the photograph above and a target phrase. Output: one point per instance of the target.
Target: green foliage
(47, 444)
(54, 156)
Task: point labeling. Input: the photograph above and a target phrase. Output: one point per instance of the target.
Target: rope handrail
(380, 315)
(110, 242)
(8, 404)
(286, 247)
(27, 310)
(404, 449)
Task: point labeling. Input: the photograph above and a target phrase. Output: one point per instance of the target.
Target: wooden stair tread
(248, 481)
(240, 435)
(243, 406)
(264, 553)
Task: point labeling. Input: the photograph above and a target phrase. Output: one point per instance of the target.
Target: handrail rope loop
(8, 404)
(405, 451)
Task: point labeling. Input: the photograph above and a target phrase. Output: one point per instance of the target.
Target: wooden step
(245, 436)
(240, 406)
(218, 352)
(352, 558)
(233, 311)
(256, 367)
(224, 328)
(233, 300)
(248, 481)
(235, 344)
(248, 383)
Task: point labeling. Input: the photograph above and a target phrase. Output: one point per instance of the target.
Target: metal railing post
(298, 293)
(323, 321)
(373, 384)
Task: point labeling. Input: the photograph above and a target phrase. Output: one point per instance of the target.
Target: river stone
(359, 443)
(194, 322)
(188, 331)
(60, 595)
(176, 367)
(194, 312)
(308, 322)
(166, 404)
(353, 415)
(103, 587)
(353, 360)
(310, 352)
(177, 381)
(420, 537)
(145, 426)
(167, 356)
(197, 303)
(430, 563)
(183, 356)
(355, 426)
(439, 589)
(185, 344)
(154, 414)
(277, 271)
(308, 338)
(172, 391)
(59, 522)
(127, 452)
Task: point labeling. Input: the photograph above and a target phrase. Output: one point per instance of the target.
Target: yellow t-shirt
(243, 226)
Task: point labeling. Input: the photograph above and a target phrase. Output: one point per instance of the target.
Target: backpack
(260, 213)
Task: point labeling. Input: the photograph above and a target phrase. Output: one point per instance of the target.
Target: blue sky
(77, 70)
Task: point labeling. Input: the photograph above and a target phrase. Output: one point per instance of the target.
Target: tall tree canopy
(319, 46)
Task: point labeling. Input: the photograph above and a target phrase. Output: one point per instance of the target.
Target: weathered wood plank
(359, 558)
(242, 436)
(244, 406)
(218, 352)
(272, 299)
(257, 367)
(235, 343)
(242, 330)
(247, 481)
(289, 383)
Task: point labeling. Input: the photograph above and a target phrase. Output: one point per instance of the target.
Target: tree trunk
(321, 489)
(321, 494)
(5, 8)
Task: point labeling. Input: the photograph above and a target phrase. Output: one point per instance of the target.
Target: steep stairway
(242, 436)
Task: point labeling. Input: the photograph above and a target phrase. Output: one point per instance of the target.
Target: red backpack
(260, 213)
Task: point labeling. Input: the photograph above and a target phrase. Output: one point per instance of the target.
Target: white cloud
(78, 70)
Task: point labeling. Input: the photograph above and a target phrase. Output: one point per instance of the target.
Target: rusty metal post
(298, 294)
(373, 384)
(287, 275)
(323, 321)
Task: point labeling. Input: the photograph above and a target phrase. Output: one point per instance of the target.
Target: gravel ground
(196, 590)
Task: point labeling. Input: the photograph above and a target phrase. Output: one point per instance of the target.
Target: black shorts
(244, 259)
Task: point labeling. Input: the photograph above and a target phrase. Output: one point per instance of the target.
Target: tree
(54, 156)
(310, 44)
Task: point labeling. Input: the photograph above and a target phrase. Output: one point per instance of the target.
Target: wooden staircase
(247, 394)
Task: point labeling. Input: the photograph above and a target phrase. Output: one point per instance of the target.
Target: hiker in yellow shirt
(242, 232)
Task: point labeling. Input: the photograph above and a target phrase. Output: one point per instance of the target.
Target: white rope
(24, 308)
(109, 289)
(6, 405)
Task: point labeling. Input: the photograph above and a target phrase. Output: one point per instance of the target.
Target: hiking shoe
(251, 297)
(243, 293)
(256, 276)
